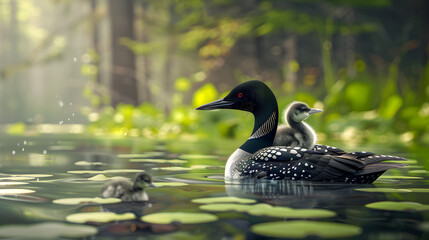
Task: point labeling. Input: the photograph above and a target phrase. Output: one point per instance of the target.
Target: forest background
(138, 68)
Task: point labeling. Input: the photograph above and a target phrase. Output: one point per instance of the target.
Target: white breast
(232, 163)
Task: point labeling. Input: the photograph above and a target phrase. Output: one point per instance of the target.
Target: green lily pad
(174, 161)
(105, 171)
(32, 175)
(227, 207)
(101, 217)
(17, 178)
(383, 190)
(141, 155)
(419, 190)
(182, 217)
(12, 183)
(263, 209)
(418, 171)
(194, 167)
(398, 206)
(285, 212)
(223, 200)
(15, 191)
(77, 201)
(47, 230)
(303, 229)
(197, 156)
(170, 184)
(123, 170)
(85, 172)
(398, 177)
(98, 177)
(86, 163)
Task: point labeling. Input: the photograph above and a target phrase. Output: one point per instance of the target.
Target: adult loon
(128, 191)
(257, 158)
(298, 133)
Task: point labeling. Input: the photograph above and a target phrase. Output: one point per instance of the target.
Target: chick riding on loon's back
(298, 133)
(258, 158)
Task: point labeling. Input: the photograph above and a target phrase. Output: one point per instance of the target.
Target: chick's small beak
(153, 185)
(218, 104)
(315, 110)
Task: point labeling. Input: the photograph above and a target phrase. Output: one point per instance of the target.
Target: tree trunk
(168, 84)
(145, 74)
(95, 40)
(123, 86)
(290, 54)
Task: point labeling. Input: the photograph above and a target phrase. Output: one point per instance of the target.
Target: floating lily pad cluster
(141, 155)
(173, 161)
(86, 163)
(224, 204)
(179, 217)
(105, 171)
(15, 191)
(170, 184)
(287, 229)
(197, 157)
(398, 206)
(392, 190)
(48, 230)
(100, 217)
(303, 229)
(193, 167)
(77, 201)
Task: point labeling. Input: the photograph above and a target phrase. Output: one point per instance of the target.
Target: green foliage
(359, 96)
(205, 94)
(16, 128)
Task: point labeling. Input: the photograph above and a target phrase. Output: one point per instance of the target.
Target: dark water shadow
(303, 193)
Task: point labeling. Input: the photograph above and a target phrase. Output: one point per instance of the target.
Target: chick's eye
(240, 95)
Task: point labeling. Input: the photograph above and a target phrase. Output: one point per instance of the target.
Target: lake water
(35, 171)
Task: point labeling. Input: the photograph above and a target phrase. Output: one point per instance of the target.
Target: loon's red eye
(239, 95)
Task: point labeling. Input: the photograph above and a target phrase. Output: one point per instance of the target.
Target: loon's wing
(303, 164)
(328, 149)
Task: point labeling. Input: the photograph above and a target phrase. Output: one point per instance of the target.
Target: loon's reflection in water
(301, 193)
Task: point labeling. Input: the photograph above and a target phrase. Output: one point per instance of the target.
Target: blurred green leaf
(391, 106)
(359, 96)
(207, 93)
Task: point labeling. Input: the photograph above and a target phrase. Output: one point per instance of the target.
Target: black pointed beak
(218, 104)
(315, 110)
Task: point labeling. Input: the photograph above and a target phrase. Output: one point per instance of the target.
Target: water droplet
(73, 114)
(25, 142)
(74, 59)
(125, 134)
(45, 152)
(61, 122)
(61, 103)
(71, 103)
(23, 149)
(68, 119)
(13, 152)
(17, 144)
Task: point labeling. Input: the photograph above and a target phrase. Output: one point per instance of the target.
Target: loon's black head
(143, 180)
(252, 96)
(299, 111)
(257, 98)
